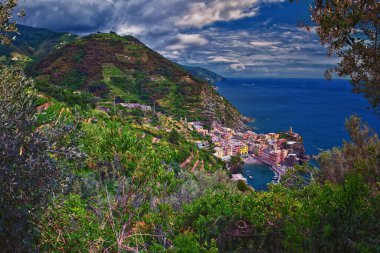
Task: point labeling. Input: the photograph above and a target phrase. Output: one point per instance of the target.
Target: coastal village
(280, 151)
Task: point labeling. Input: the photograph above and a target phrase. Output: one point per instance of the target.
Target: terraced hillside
(110, 66)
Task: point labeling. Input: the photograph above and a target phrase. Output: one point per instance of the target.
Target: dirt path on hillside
(195, 166)
(187, 161)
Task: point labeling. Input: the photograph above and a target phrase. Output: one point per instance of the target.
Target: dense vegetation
(75, 178)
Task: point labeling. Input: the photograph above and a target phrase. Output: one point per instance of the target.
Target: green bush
(68, 225)
(242, 186)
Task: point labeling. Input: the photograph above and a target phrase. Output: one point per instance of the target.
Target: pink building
(236, 150)
(264, 154)
(275, 156)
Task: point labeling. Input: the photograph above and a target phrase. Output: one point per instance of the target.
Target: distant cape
(203, 73)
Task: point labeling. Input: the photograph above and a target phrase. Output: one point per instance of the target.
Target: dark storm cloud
(68, 15)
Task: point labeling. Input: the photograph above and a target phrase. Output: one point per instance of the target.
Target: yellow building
(244, 150)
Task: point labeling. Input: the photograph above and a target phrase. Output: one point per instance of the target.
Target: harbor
(279, 151)
(259, 174)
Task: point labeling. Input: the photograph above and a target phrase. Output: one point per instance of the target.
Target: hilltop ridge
(32, 43)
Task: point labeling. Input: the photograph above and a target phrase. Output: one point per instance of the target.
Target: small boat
(250, 177)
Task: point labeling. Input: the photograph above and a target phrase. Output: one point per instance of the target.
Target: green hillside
(109, 66)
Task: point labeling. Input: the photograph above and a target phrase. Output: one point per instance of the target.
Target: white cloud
(221, 59)
(264, 43)
(187, 40)
(238, 66)
(202, 13)
(174, 55)
(126, 29)
(205, 13)
(192, 39)
(177, 47)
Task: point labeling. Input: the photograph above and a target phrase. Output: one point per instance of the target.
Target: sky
(235, 38)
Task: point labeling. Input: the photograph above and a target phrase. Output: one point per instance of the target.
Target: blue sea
(315, 108)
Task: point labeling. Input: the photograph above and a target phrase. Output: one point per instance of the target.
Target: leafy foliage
(71, 226)
(361, 156)
(236, 164)
(335, 218)
(174, 137)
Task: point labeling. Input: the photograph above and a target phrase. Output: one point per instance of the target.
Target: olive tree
(361, 155)
(28, 171)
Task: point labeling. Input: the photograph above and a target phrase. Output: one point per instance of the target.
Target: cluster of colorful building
(273, 148)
